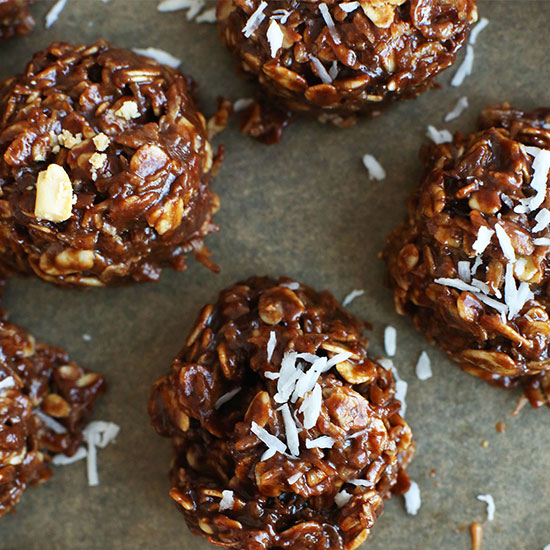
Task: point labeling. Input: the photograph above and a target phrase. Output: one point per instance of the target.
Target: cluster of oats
(470, 265)
(283, 427)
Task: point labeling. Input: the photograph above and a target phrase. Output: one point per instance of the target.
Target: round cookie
(44, 399)
(337, 59)
(15, 18)
(471, 264)
(105, 168)
(286, 434)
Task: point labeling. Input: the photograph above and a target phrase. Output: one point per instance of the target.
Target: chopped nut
(380, 12)
(54, 195)
(67, 140)
(97, 160)
(128, 110)
(101, 142)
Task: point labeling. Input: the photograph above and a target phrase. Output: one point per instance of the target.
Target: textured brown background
(305, 209)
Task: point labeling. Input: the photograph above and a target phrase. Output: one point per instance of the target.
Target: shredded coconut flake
(271, 343)
(97, 434)
(333, 71)
(483, 22)
(539, 181)
(62, 460)
(242, 104)
(322, 442)
(515, 298)
(342, 498)
(255, 20)
(309, 357)
(401, 393)
(311, 407)
(273, 444)
(50, 423)
(159, 55)
(348, 7)
(101, 433)
(465, 68)
(484, 287)
(400, 385)
(489, 500)
(477, 264)
(294, 478)
(275, 37)
(390, 340)
(461, 285)
(291, 286)
(374, 168)
(207, 16)
(268, 454)
(227, 501)
(323, 8)
(505, 243)
(495, 304)
(541, 241)
(86, 338)
(483, 239)
(412, 499)
(226, 397)
(193, 7)
(281, 15)
(464, 271)
(438, 136)
(291, 431)
(176, 5)
(543, 220)
(289, 374)
(308, 379)
(530, 150)
(323, 73)
(424, 367)
(351, 296)
(7, 383)
(54, 13)
(338, 358)
(459, 108)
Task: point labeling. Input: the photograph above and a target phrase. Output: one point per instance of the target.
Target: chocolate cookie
(286, 434)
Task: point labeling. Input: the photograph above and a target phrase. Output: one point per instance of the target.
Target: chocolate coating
(377, 53)
(481, 183)
(128, 135)
(37, 381)
(15, 18)
(282, 501)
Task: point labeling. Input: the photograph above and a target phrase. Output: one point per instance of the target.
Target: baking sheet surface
(306, 209)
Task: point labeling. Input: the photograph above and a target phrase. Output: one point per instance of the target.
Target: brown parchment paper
(304, 208)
